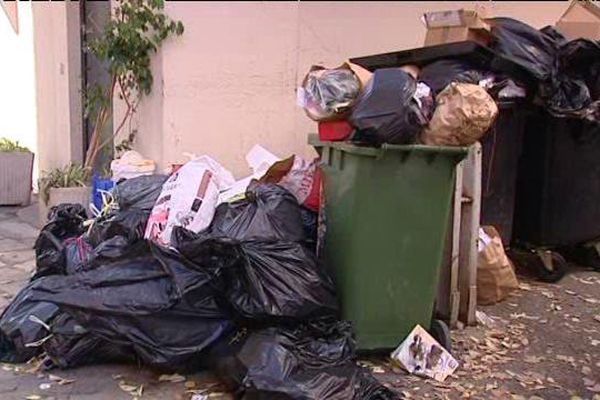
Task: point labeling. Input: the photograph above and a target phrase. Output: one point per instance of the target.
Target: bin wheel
(552, 269)
(440, 332)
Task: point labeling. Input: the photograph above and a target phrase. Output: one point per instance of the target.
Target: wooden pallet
(457, 292)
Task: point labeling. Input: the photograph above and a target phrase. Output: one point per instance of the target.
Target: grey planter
(76, 195)
(15, 178)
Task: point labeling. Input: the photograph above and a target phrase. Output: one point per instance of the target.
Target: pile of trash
(178, 280)
(453, 100)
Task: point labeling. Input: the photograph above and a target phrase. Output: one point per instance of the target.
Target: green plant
(72, 175)
(135, 32)
(9, 146)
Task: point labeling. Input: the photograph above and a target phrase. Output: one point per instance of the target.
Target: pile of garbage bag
(412, 104)
(245, 297)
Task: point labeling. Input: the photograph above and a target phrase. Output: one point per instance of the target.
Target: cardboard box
(455, 26)
(581, 20)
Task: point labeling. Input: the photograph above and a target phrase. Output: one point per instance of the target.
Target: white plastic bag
(188, 199)
(131, 165)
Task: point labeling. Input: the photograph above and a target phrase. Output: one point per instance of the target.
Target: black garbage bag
(71, 345)
(263, 281)
(140, 192)
(129, 223)
(439, 74)
(387, 111)
(546, 55)
(173, 339)
(310, 223)
(133, 287)
(117, 248)
(65, 221)
(279, 280)
(313, 361)
(580, 59)
(269, 212)
(158, 304)
(531, 48)
(24, 323)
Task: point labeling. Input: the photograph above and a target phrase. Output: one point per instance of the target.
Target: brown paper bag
(464, 113)
(495, 274)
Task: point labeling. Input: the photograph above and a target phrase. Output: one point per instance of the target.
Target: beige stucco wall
(229, 82)
(58, 83)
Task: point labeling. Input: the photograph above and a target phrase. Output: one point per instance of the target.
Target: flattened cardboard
(580, 20)
(455, 26)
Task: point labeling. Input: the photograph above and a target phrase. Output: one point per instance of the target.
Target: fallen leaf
(572, 293)
(597, 318)
(586, 370)
(533, 359)
(117, 376)
(175, 378)
(591, 300)
(190, 384)
(595, 342)
(589, 382)
(595, 388)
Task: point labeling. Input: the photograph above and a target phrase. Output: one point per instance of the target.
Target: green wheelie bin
(386, 215)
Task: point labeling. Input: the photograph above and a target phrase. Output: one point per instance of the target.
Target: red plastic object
(335, 130)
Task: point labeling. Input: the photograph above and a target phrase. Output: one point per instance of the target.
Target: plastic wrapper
(387, 111)
(188, 199)
(302, 178)
(65, 221)
(77, 253)
(140, 192)
(464, 113)
(313, 361)
(328, 94)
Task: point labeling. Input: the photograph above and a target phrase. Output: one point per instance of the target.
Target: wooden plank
(448, 296)
(469, 232)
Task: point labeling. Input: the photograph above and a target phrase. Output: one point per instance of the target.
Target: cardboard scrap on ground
(421, 354)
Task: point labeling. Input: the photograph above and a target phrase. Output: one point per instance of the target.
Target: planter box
(15, 178)
(77, 195)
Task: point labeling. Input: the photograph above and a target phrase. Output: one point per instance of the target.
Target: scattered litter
(33, 397)
(132, 389)
(484, 319)
(175, 378)
(421, 354)
(45, 386)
